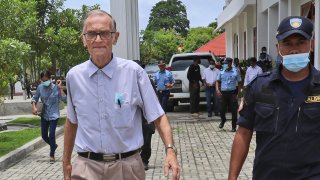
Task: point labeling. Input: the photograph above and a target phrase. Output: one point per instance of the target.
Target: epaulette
(268, 73)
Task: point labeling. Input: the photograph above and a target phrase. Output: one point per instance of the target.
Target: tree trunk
(11, 90)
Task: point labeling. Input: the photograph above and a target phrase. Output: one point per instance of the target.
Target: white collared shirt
(251, 73)
(210, 75)
(106, 104)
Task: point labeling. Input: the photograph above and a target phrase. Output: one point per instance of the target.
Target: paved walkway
(203, 152)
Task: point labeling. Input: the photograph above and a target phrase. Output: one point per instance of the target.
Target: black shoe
(221, 125)
(209, 115)
(146, 167)
(233, 130)
(216, 114)
(52, 160)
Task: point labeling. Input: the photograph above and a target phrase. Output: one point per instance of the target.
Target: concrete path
(203, 152)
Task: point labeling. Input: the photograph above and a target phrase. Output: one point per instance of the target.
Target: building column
(229, 39)
(241, 26)
(273, 16)
(126, 15)
(249, 29)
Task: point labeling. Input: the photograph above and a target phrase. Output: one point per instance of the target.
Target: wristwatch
(171, 146)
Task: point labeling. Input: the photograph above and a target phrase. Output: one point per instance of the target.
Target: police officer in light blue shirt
(229, 79)
(164, 81)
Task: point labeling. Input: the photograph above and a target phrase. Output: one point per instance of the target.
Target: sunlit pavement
(203, 152)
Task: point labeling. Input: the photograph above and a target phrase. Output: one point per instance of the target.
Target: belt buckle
(160, 91)
(108, 158)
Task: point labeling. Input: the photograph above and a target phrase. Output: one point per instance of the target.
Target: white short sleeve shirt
(106, 104)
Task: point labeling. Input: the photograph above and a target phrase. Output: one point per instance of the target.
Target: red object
(168, 68)
(217, 46)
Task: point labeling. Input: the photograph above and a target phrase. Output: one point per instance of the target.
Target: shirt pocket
(265, 120)
(311, 119)
(122, 116)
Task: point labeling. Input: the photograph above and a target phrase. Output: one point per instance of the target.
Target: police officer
(164, 80)
(229, 79)
(283, 108)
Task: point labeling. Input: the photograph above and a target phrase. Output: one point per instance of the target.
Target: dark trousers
(211, 95)
(194, 89)
(51, 139)
(229, 101)
(148, 130)
(163, 97)
(29, 93)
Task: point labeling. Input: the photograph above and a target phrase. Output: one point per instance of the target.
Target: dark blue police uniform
(287, 127)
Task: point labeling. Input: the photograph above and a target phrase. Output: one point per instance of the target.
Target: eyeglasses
(103, 35)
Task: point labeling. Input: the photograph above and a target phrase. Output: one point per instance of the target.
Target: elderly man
(283, 108)
(105, 97)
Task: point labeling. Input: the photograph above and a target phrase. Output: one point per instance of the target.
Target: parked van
(179, 65)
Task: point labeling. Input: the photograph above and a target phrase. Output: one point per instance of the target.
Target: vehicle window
(151, 68)
(182, 63)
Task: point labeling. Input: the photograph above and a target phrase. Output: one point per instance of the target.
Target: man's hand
(171, 162)
(67, 170)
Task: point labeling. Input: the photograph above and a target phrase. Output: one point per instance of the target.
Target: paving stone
(203, 151)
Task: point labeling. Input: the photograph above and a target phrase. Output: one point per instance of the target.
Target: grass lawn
(12, 140)
(34, 121)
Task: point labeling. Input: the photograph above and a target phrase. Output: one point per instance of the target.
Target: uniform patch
(313, 99)
(295, 22)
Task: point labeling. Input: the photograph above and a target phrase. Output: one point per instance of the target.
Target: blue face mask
(46, 83)
(224, 66)
(295, 62)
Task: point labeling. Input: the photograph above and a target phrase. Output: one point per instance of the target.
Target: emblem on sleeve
(313, 99)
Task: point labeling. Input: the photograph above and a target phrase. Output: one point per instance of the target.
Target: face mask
(46, 83)
(295, 62)
(224, 66)
(211, 66)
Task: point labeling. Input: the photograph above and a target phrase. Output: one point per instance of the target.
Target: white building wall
(266, 16)
(283, 9)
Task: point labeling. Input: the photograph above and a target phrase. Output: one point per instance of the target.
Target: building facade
(252, 24)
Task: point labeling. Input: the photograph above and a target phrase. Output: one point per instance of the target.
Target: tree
(170, 14)
(12, 55)
(160, 45)
(197, 37)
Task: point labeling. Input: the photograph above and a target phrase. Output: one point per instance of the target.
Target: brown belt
(106, 158)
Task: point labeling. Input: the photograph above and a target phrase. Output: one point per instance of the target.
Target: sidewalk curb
(19, 154)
